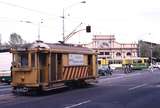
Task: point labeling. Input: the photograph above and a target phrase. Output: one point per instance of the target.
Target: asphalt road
(135, 90)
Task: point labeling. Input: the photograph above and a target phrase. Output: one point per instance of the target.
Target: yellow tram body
(44, 66)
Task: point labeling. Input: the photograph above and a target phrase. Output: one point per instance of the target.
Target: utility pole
(151, 53)
(63, 19)
(139, 48)
(151, 49)
(39, 28)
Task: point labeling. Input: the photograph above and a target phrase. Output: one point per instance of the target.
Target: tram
(137, 63)
(45, 66)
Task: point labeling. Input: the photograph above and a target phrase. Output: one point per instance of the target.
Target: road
(135, 90)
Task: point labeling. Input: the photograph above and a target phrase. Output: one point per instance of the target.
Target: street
(140, 89)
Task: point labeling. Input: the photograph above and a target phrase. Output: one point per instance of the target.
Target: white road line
(5, 95)
(139, 86)
(78, 104)
(119, 77)
(5, 89)
(5, 86)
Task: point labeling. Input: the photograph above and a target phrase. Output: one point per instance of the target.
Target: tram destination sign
(76, 59)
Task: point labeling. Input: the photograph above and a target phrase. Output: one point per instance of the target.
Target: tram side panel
(85, 69)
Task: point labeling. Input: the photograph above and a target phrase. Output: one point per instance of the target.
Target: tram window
(89, 59)
(139, 61)
(33, 59)
(145, 60)
(118, 62)
(42, 57)
(135, 61)
(23, 59)
(110, 62)
(99, 62)
(59, 57)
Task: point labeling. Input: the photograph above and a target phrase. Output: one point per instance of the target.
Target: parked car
(5, 79)
(104, 70)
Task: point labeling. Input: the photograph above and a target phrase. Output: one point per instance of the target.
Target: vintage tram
(45, 66)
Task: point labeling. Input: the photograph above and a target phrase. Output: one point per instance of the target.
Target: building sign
(103, 44)
(76, 59)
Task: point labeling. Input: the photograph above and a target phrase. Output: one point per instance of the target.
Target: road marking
(118, 77)
(5, 89)
(139, 86)
(8, 94)
(78, 104)
(5, 86)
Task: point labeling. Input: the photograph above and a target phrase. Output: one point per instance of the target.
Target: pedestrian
(126, 68)
(129, 68)
(109, 69)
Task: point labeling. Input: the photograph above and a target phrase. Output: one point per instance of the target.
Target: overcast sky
(128, 20)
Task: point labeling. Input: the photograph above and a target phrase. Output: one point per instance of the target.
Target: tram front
(26, 67)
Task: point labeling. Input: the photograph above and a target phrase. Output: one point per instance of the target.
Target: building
(108, 47)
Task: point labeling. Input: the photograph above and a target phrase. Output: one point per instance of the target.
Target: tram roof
(55, 47)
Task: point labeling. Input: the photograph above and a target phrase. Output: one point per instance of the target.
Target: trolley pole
(63, 19)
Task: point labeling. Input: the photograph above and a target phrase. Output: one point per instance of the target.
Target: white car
(157, 65)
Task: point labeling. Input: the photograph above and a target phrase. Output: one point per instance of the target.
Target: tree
(156, 51)
(15, 39)
(145, 49)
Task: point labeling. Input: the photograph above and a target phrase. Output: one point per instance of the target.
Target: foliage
(146, 47)
(15, 39)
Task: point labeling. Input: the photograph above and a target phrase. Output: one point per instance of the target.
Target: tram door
(56, 66)
(90, 65)
(43, 67)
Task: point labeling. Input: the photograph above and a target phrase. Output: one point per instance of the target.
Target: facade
(108, 47)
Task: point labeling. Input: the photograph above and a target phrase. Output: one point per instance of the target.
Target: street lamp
(63, 18)
(39, 25)
(151, 49)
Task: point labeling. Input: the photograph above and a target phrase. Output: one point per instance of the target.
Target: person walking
(109, 69)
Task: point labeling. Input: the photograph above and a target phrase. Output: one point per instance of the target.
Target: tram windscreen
(21, 59)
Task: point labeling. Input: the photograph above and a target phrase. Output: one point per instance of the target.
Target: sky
(128, 20)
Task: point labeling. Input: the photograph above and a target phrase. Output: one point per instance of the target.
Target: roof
(55, 47)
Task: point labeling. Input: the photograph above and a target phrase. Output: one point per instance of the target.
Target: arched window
(118, 54)
(128, 53)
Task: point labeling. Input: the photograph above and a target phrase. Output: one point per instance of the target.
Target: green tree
(156, 51)
(15, 39)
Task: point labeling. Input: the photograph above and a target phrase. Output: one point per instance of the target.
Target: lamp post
(39, 26)
(63, 19)
(151, 49)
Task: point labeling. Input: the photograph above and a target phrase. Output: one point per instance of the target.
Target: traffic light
(88, 29)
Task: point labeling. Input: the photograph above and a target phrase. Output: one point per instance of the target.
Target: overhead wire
(29, 9)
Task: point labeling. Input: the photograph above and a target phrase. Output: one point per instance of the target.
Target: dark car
(104, 70)
(5, 79)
